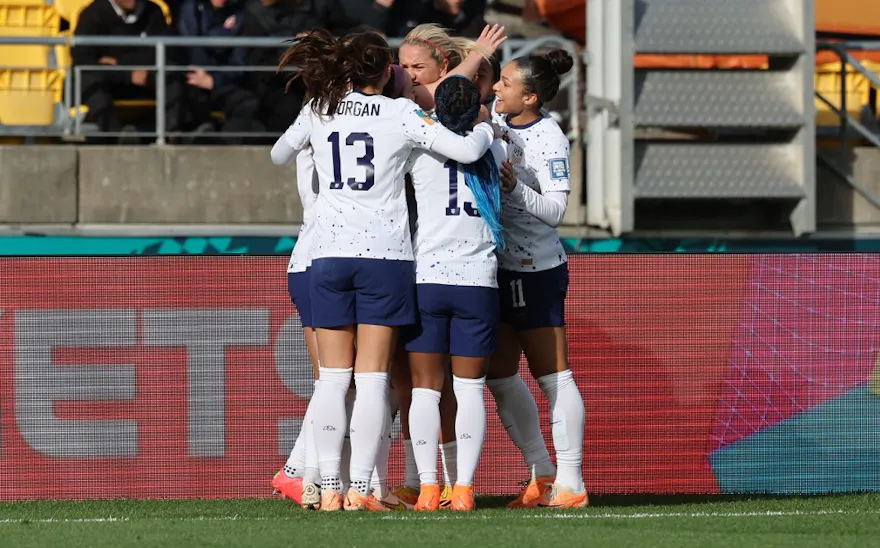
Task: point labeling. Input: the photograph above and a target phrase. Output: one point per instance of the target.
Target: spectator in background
(101, 88)
(397, 17)
(215, 89)
(284, 19)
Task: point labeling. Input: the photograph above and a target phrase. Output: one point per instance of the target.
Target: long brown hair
(328, 66)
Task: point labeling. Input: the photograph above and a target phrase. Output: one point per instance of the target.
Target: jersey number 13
(365, 161)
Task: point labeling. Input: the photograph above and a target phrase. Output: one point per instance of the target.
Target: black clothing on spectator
(283, 19)
(101, 88)
(405, 15)
(229, 95)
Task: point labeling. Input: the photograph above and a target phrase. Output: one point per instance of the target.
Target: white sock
(411, 471)
(519, 415)
(368, 420)
(312, 472)
(328, 421)
(296, 462)
(345, 461)
(470, 426)
(567, 420)
(380, 472)
(449, 460)
(424, 429)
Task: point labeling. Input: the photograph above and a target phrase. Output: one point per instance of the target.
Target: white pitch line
(405, 516)
(115, 519)
(655, 515)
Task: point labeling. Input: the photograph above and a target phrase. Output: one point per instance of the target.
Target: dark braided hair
(457, 101)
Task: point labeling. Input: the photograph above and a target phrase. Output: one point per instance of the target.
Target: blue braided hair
(457, 101)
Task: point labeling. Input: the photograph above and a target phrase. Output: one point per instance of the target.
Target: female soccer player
(299, 480)
(362, 277)
(299, 472)
(431, 55)
(533, 281)
(458, 229)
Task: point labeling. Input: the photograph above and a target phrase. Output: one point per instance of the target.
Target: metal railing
(847, 122)
(72, 125)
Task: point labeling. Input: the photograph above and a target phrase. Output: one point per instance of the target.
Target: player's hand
(483, 116)
(508, 178)
(492, 37)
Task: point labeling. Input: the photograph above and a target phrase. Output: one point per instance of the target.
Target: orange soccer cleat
(560, 497)
(331, 501)
(533, 493)
(407, 495)
(288, 487)
(462, 499)
(429, 499)
(354, 502)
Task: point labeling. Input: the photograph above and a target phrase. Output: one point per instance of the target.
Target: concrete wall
(240, 185)
(38, 185)
(838, 204)
(174, 185)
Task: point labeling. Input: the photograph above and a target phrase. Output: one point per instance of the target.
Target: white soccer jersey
(539, 153)
(452, 243)
(359, 155)
(307, 186)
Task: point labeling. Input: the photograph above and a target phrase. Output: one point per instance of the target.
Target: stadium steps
(700, 171)
(710, 139)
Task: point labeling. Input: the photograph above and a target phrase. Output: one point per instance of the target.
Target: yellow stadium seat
(28, 97)
(26, 18)
(858, 90)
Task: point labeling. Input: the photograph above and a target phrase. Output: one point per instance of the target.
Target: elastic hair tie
(435, 46)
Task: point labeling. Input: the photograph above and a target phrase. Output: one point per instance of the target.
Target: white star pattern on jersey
(359, 155)
(452, 243)
(307, 185)
(539, 153)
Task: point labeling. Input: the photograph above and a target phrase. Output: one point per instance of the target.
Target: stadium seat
(27, 18)
(28, 96)
(858, 91)
(30, 84)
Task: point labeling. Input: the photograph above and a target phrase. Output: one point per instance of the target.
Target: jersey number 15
(453, 208)
(365, 161)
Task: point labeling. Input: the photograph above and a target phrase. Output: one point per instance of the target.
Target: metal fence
(69, 123)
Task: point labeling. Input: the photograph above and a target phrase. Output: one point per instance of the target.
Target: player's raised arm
(424, 132)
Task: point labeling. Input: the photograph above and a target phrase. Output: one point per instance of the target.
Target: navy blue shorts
(298, 287)
(348, 291)
(530, 300)
(453, 319)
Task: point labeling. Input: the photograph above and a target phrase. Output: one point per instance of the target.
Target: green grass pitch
(827, 522)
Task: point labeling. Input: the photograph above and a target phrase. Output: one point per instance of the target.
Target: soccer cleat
(536, 489)
(288, 487)
(331, 501)
(560, 497)
(407, 495)
(354, 501)
(311, 496)
(445, 496)
(461, 499)
(391, 501)
(429, 499)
